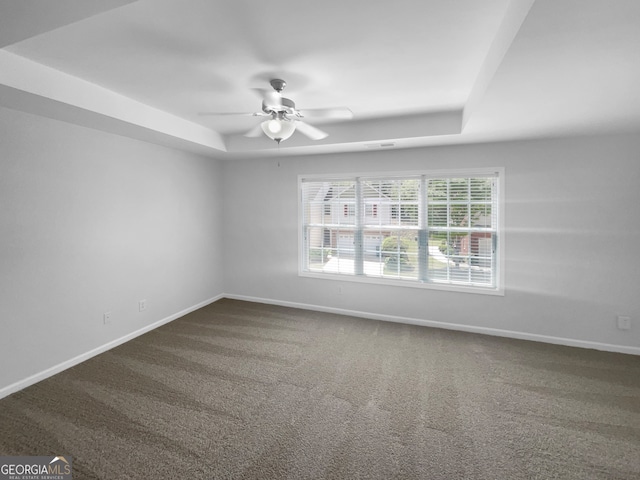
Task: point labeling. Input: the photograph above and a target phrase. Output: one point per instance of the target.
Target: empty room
(320, 240)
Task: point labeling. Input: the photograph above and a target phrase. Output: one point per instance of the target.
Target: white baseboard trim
(19, 385)
(569, 342)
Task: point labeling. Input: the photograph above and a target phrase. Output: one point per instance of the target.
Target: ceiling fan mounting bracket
(278, 84)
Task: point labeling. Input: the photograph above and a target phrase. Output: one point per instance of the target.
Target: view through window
(424, 228)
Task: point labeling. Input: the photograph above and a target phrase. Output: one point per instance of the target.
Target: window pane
(481, 189)
(318, 249)
(437, 216)
(340, 250)
(481, 216)
(409, 214)
(439, 257)
(482, 258)
(437, 189)
(343, 243)
(408, 196)
(395, 201)
(458, 189)
(339, 200)
(399, 254)
(459, 215)
(372, 245)
(311, 200)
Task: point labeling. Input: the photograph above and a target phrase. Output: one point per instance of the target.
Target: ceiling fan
(285, 118)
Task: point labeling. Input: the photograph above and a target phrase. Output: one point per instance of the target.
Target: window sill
(449, 287)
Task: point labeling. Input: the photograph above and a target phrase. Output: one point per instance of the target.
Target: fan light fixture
(278, 128)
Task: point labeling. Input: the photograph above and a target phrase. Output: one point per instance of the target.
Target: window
(371, 210)
(431, 229)
(349, 209)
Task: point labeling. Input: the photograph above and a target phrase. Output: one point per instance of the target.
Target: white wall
(93, 222)
(572, 239)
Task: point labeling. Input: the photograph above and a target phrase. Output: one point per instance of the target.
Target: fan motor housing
(286, 105)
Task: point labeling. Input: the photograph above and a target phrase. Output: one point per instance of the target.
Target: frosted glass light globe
(278, 129)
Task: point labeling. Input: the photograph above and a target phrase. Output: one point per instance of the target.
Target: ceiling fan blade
(269, 97)
(261, 92)
(310, 131)
(255, 131)
(342, 113)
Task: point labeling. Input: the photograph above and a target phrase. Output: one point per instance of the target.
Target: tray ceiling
(419, 73)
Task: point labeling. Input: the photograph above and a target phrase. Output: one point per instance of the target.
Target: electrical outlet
(106, 318)
(142, 305)
(339, 290)
(624, 323)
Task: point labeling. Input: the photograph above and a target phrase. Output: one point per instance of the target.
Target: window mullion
(358, 236)
(423, 239)
(469, 223)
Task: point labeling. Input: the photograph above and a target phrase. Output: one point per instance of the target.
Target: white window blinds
(427, 229)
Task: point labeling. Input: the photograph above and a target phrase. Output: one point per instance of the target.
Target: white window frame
(498, 289)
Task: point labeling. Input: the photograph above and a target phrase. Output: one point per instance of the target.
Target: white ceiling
(413, 72)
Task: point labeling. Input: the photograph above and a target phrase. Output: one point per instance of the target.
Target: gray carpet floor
(239, 390)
